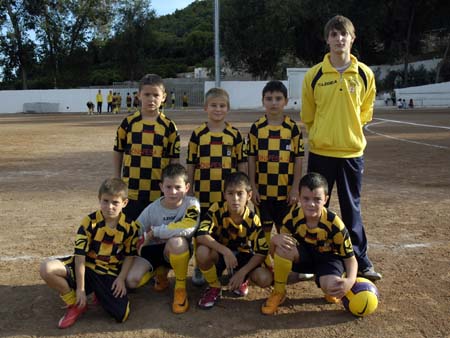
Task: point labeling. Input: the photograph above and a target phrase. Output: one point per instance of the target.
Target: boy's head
(313, 195)
(274, 97)
(339, 34)
(113, 197)
(174, 185)
(152, 94)
(237, 192)
(341, 24)
(217, 104)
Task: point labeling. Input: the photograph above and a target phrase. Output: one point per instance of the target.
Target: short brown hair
(215, 93)
(114, 187)
(152, 80)
(340, 23)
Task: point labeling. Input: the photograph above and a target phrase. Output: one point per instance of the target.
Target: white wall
(432, 95)
(69, 100)
(245, 94)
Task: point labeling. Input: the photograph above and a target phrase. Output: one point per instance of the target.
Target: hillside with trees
(66, 44)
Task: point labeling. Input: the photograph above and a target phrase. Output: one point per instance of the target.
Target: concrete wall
(243, 95)
(433, 95)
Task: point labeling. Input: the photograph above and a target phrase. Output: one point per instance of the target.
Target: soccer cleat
(305, 276)
(197, 277)
(271, 305)
(180, 301)
(209, 298)
(370, 274)
(73, 312)
(332, 300)
(242, 291)
(161, 283)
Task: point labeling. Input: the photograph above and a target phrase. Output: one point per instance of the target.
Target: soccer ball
(362, 299)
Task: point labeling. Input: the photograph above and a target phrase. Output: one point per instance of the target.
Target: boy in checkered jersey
(275, 159)
(105, 247)
(231, 238)
(146, 142)
(216, 149)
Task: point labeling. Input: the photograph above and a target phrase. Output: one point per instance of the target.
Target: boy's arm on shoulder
(190, 168)
(185, 227)
(243, 167)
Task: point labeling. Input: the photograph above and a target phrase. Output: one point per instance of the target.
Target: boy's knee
(202, 254)
(262, 277)
(132, 281)
(45, 269)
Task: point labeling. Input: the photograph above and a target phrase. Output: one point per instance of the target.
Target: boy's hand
(293, 197)
(283, 243)
(81, 298)
(236, 280)
(143, 240)
(118, 288)
(230, 259)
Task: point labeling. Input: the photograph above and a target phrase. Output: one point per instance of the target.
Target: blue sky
(163, 7)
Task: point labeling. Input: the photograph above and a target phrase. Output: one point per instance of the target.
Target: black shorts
(154, 254)
(134, 208)
(320, 264)
(101, 285)
(272, 212)
(242, 258)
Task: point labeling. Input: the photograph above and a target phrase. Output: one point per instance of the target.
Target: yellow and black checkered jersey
(275, 149)
(245, 237)
(106, 248)
(215, 155)
(147, 148)
(330, 235)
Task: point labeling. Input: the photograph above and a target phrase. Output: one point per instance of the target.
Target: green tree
(254, 34)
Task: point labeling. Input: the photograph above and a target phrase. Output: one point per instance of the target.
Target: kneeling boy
(312, 240)
(231, 237)
(168, 225)
(104, 248)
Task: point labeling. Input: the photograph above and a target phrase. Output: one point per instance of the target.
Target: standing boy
(231, 238)
(275, 158)
(104, 248)
(168, 225)
(99, 99)
(216, 149)
(146, 142)
(109, 100)
(337, 101)
(312, 240)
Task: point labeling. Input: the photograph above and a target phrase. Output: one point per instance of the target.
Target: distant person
(146, 142)
(338, 94)
(393, 98)
(129, 102)
(90, 106)
(99, 99)
(185, 100)
(105, 247)
(135, 101)
(411, 104)
(404, 104)
(399, 104)
(387, 98)
(172, 99)
(109, 99)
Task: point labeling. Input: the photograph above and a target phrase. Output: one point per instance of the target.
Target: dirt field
(52, 165)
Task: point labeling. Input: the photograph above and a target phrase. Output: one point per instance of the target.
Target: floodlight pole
(216, 43)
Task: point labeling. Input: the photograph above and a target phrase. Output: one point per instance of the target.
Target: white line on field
(367, 127)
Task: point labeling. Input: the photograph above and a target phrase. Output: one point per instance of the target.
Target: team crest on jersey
(352, 86)
(288, 147)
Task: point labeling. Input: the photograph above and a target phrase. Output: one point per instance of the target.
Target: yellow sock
(146, 277)
(282, 267)
(180, 267)
(70, 298)
(211, 277)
